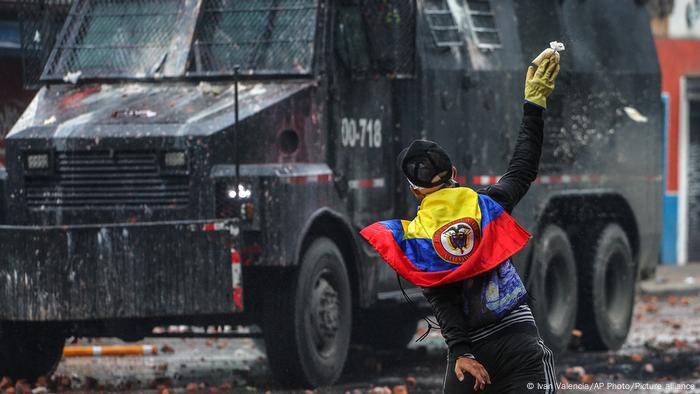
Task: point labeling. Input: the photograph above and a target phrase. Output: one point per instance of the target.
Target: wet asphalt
(661, 355)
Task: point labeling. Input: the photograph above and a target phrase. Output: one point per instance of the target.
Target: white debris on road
(663, 345)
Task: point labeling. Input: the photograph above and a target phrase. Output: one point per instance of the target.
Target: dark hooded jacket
(448, 301)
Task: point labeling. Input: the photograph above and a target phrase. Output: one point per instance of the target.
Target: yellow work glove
(540, 84)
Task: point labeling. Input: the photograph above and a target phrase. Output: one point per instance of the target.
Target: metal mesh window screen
(121, 38)
(259, 36)
(351, 41)
(40, 23)
(483, 24)
(442, 24)
(391, 26)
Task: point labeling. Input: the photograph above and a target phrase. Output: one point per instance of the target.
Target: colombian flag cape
(456, 235)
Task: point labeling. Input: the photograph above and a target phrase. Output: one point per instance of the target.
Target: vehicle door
(363, 118)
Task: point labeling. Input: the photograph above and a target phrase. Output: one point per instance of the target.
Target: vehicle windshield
(260, 36)
(128, 39)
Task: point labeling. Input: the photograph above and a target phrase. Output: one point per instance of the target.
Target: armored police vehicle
(210, 162)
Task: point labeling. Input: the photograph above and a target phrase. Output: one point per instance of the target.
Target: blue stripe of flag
(420, 251)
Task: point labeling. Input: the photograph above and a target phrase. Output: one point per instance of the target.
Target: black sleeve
(523, 166)
(446, 302)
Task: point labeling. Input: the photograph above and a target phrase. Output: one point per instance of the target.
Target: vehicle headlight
(241, 192)
(235, 200)
(174, 159)
(37, 161)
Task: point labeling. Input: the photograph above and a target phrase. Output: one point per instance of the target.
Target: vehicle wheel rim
(324, 313)
(556, 294)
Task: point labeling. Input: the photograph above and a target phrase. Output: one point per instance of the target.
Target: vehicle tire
(606, 296)
(554, 288)
(307, 328)
(29, 350)
(385, 329)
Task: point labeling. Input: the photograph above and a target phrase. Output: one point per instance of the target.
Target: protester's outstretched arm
(523, 166)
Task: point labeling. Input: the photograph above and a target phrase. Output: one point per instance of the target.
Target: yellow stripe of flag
(442, 207)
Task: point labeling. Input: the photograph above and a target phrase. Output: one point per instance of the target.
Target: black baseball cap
(422, 161)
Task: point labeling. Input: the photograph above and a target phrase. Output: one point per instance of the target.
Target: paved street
(663, 348)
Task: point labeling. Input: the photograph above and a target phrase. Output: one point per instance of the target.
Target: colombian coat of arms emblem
(457, 240)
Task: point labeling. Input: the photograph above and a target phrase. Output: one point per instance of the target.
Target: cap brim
(400, 158)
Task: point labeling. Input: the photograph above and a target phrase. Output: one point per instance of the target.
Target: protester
(459, 247)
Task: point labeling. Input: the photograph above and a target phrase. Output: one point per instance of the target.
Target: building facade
(676, 26)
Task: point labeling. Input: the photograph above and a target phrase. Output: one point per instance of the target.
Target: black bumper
(93, 272)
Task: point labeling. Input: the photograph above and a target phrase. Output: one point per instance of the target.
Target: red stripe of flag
(492, 251)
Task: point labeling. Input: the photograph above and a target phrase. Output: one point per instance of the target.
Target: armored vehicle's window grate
(122, 38)
(40, 23)
(391, 26)
(482, 24)
(351, 40)
(442, 24)
(259, 36)
(379, 37)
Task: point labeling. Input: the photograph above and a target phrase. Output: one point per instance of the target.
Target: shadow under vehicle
(210, 162)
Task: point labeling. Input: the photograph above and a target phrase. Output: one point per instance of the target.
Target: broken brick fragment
(41, 382)
(411, 381)
(5, 382)
(23, 387)
(399, 389)
(167, 349)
